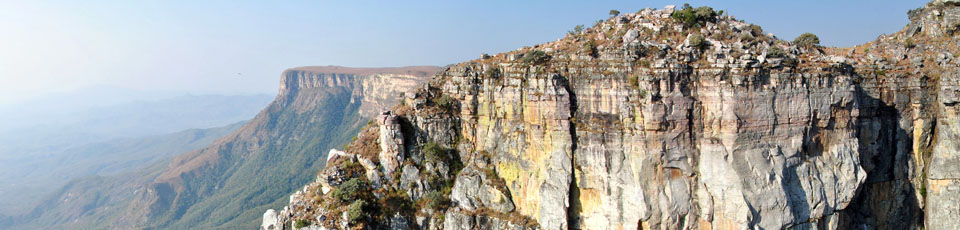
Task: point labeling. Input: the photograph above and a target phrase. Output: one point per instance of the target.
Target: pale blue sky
(53, 46)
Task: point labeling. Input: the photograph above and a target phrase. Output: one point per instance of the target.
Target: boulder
(271, 221)
(473, 190)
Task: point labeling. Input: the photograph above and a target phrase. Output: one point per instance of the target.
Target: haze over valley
(521, 115)
(53, 141)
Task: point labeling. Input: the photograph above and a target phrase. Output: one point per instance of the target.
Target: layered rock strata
(646, 122)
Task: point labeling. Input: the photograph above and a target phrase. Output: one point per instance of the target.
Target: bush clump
(576, 30)
(351, 190)
(536, 57)
(445, 102)
(698, 41)
(301, 223)
(435, 200)
(433, 152)
(909, 44)
(590, 48)
(694, 17)
(614, 13)
(775, 52)
(807, 40)
(355, 212)
(492, 72)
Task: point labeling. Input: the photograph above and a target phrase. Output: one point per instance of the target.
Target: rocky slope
(227, 184)
(664, 119)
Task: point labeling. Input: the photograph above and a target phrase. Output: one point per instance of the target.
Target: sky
(241, 47)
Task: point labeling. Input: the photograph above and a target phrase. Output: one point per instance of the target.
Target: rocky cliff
(664, 119)
(227, 184)
(375, 88)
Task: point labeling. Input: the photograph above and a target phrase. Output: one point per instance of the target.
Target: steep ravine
(664, 119)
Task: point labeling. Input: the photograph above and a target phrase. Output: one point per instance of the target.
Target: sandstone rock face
(943, 175)
(527, 128)
(718, 144)
(632, 125)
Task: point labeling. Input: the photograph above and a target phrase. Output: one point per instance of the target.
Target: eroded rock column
(391, 143)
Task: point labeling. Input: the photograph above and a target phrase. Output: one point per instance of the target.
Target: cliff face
(222, 185)
(376, 88)
(647, 122)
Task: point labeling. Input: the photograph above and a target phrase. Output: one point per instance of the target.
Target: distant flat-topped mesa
(319, 76)
(425, 71)
(377, 88)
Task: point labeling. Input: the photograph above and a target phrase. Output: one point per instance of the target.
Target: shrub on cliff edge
(807, 40)
(614, 13)
(694, 17)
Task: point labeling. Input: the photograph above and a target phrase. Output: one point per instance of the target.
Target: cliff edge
(664, 119)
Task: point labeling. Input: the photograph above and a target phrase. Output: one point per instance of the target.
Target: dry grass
(367, 143)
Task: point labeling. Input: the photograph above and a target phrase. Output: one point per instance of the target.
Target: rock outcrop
(391, 143)
(270, 221)
(674, 119)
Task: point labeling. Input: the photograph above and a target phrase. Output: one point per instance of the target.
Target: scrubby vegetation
(576, 30)
(369, 134)
(445, 102)
(351, 190)
(536, 57)
(301, 223)
(632, 80)
(909, 44)
(775, 52)
(492, 72)
(698, 41)
(433, 152)
(694, 17)
(436, 200)
(614, 13)
(590, 48)
(355, 211)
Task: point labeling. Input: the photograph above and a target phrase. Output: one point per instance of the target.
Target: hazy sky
(242, 46)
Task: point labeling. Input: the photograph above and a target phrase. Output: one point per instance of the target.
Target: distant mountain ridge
(56, 143)
(135, 119)
(107, 163)
(227, 184)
